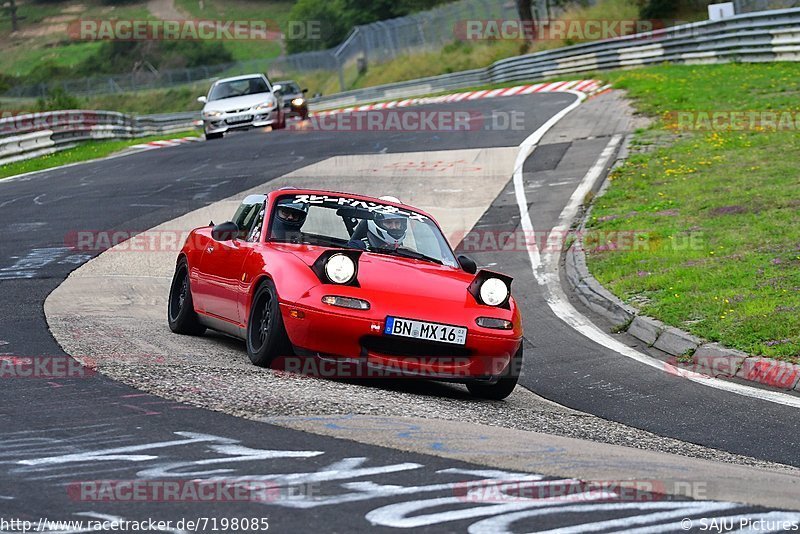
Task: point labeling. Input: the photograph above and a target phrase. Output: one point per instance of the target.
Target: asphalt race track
(57, 433)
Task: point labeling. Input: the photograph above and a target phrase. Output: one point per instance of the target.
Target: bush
(57, 98)
(338, 17)
(116, 57)
(659, 9)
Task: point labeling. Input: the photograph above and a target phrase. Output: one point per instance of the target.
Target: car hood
(237, 102)
(390, 276)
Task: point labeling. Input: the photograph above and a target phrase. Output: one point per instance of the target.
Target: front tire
(180, 308)
(266, 335)
(210, 136)
(281, 124)
(504, 386)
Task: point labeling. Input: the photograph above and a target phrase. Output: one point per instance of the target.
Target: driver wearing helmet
(384, 231)
(387, 231)
(289, 218)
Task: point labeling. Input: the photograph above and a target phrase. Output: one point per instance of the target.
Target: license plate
(240, 118)
(455, 335)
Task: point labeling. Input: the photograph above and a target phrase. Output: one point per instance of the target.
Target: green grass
(273, 11)
(716, 214)
(47, 42)
(23, 52)
(85, 151)
(183, 98)
(20, 58)
(461, 55)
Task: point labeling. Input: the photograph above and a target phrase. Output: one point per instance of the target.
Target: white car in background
(242, 102)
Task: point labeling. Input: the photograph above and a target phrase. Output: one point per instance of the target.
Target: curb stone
(717, 360)
(592, 294)
(710, 359)
(771, 373)
(646, 329)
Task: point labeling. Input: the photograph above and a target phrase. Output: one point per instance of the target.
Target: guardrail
(754, 37)
(35, 134)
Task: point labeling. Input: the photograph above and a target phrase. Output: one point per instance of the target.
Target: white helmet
(387, 230)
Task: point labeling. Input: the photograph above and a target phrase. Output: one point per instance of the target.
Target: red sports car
(340, 277)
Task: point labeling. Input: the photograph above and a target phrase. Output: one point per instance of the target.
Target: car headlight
(298, 102)
(264, 106)
(340, 269)
(212, 114)
(493, 292)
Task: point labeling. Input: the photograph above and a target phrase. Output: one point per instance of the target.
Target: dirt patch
(78, 8)
(43, 30)
(166, 10)
(58, 19)
(728, 210)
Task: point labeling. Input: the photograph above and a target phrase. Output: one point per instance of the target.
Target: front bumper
(290, 110)
(356, 337)
(232, 121)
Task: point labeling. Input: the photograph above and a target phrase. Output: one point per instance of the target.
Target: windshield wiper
(408, 253)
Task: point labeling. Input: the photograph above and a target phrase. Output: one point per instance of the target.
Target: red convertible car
(349, 278)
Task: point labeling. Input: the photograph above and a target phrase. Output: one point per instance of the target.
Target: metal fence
(749, 38)
(370, 43)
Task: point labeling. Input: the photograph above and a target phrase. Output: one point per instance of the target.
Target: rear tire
(504, 386)
(180, 308)
(266, 335)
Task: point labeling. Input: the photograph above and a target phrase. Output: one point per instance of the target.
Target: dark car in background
(294, 99)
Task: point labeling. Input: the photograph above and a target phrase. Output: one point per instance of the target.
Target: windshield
(233, 88)
(289, 88)
(340, 221)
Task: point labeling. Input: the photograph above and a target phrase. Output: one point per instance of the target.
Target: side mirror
(468, 264)
(226, 231)
(305, 90)
(202, 99)
(277, 87)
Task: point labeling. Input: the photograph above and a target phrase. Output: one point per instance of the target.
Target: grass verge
(85, 151)
(715, 213)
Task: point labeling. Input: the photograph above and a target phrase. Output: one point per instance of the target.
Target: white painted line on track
(525, 150)
(546, 272)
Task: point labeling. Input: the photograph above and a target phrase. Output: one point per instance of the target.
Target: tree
(525, 11)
